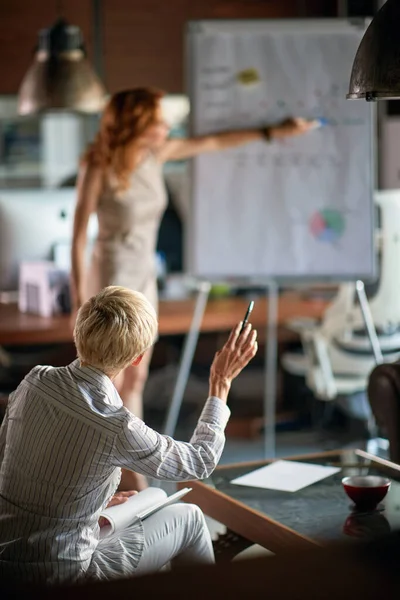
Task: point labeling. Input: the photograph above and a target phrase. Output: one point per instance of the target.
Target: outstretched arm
(143, 450)
(178, 149)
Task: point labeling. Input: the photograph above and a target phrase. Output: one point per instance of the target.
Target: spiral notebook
(141, 506)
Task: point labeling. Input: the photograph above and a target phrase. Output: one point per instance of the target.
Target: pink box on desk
(41, 284)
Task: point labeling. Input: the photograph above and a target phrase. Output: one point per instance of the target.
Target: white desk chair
(328, 387)
(320, 378)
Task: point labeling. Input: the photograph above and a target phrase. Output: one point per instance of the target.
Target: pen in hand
(247, 315)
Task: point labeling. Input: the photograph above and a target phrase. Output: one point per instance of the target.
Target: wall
(20, 21)
(142, 39)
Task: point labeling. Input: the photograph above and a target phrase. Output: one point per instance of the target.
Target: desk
(174, 318)
(316, 515)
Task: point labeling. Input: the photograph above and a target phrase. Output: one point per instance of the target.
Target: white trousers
(177, 533)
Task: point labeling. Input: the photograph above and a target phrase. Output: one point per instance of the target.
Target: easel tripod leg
(187, 359)
(374, 443)
(271, 366)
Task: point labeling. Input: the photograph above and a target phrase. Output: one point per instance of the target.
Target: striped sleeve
(3, 436)
(142, 449)
(3, 429)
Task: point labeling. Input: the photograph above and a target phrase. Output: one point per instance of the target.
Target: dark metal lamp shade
(61, 77)
(376, 67)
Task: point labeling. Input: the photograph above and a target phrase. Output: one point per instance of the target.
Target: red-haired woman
(121, 180)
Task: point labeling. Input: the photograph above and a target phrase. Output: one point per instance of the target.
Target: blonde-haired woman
(121, 180)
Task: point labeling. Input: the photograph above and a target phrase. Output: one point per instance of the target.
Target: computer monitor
(33, 223)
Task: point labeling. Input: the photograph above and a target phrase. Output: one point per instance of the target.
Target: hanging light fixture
(61, 76)
(376, 68)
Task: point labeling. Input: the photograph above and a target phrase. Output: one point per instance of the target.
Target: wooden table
(174, 319)
(317, 515)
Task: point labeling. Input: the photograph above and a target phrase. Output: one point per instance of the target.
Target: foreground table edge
(245, 521)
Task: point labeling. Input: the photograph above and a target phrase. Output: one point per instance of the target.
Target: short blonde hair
(113, 328)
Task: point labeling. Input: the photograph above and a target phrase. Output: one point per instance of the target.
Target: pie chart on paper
(328, 225)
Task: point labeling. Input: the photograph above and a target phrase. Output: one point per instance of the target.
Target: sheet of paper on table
(285, 476)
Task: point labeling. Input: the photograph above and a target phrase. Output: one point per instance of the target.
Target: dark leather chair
(384, 398)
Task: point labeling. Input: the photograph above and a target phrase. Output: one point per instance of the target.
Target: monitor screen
(33, 224)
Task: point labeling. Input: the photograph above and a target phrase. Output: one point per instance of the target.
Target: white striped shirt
(64, 438)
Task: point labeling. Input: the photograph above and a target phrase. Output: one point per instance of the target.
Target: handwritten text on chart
(313, 161)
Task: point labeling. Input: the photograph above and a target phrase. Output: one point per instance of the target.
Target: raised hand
(231, 359)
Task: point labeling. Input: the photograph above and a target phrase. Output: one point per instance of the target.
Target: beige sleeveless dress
(124, 252)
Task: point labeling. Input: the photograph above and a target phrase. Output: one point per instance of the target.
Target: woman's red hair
(126, 117)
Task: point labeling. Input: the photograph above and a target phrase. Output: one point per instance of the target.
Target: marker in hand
(246, 316)
(320, 122)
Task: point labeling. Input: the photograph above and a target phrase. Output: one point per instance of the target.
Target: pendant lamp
(376, 69)
(61, 76)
